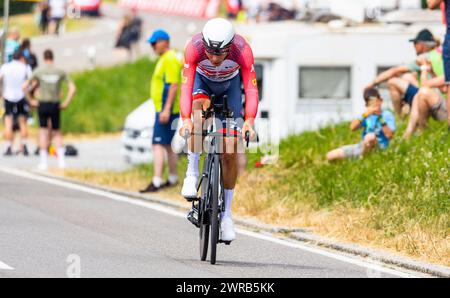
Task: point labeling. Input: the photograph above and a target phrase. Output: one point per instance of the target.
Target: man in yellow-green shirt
(165, 93)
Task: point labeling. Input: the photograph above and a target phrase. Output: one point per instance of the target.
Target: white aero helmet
(218, 35)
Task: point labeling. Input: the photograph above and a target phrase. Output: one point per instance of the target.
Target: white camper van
(311, 75)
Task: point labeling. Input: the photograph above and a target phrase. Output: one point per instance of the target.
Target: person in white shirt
(13, 75)
(57, 13)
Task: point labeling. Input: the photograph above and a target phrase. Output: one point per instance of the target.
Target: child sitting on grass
(378, 129)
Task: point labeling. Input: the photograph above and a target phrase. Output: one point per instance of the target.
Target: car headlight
(146, 133)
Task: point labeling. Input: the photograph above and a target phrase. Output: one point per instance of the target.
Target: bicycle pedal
(225, 242)
(190, 200)
(193, 218)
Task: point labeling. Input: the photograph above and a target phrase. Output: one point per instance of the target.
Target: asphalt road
(103, 154)
(47, 227)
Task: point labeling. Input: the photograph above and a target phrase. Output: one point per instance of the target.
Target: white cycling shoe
(227, 230)
(189, 190)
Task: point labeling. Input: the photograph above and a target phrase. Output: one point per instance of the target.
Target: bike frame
(208, 210)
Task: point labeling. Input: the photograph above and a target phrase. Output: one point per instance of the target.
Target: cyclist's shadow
(238, 264)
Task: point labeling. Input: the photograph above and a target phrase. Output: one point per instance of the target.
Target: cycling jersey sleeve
(250, 84)
(190, 66)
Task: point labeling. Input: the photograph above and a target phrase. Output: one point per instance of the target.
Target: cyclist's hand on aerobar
(188, 126)
(248, 127)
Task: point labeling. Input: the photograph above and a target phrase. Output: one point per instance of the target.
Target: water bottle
(371, 123)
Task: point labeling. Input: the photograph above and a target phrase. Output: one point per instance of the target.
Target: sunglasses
(217, 52)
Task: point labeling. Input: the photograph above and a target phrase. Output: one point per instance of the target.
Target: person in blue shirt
(378, 128)
(12, 44)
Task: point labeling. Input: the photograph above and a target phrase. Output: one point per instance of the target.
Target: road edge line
(4, 266)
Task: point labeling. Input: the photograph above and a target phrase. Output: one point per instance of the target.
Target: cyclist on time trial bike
(217, 62)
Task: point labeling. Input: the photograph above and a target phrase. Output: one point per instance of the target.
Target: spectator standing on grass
(378, 129)
(57, 14)
(50, 80)
(12, 44)
(165, 86)
(32, 61)
(14, 74)
(44, 16)
(124, 35)
(27, 52)
(136, 33)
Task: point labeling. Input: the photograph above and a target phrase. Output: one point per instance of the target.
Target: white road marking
(153, 206)
(3, 266)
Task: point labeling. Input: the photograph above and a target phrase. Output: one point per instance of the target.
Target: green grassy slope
(403, 188)
(106, 96)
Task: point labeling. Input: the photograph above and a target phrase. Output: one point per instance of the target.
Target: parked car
(137, 134)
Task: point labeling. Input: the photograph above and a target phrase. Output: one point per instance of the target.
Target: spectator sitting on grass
(378, 129)
(430, 101)
(404, 80)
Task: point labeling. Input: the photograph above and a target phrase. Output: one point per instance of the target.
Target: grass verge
(28, 27)
(106, 96)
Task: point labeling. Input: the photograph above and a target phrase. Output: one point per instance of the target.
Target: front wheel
(204, 231)
(215, 182)
(203, 214)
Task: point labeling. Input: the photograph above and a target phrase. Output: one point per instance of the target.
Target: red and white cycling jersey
(227, 70)
(239, 60)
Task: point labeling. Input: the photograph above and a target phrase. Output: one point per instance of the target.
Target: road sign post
(5, 29)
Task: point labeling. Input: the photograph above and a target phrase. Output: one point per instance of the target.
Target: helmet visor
(215, 48)
(217, 51)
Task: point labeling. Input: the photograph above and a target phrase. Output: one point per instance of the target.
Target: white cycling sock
(193, 159)
(61, 153)
(44, 156)
(173, 179)
(229, 193)
(157, 181)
